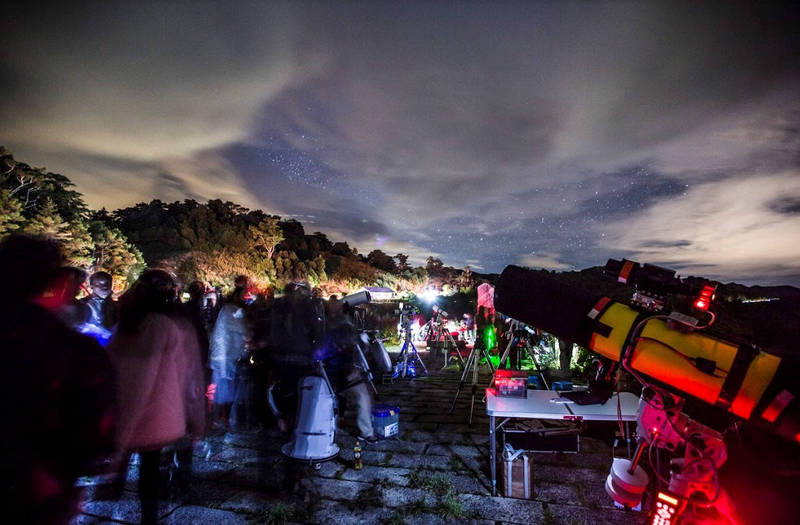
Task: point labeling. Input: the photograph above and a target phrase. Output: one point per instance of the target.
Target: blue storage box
(562, 385)
(534, 382)
(385, 420)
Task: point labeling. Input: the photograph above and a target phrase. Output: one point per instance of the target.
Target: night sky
(551, 135)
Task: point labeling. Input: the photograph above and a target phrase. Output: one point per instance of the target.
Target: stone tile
(399, 446)
(502, 509)
(336, 489)
(368, 457)
(401, 496)
(449, 438)
(414, 461)
(569, 473)
(330, 469)
(569, 515)
(594, 496)
(211, 470)
(126, 509)
(481, 438)
(249, 502)
(194, 515)
(334, 512)
(373, 474)
(237, 455)
(419, 436)
(83, 519)
(556, 493)
(210, 492)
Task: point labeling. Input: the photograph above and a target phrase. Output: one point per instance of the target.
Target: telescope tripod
(516, 341)
(473, 360)
(439, 335)
(409, 351)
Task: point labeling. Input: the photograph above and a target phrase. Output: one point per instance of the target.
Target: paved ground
(436, 471)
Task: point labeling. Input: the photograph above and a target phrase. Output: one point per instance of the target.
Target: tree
(33, 186)
(267, 235)
(433, 265)
(382, 261)
(114, 254)
(465, 280)
(342, 249)
(74, 238)
(11, 218)
(402, 262)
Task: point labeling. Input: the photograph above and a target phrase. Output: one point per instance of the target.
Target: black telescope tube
(541, 301)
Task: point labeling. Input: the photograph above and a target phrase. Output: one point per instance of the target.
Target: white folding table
(547, 404)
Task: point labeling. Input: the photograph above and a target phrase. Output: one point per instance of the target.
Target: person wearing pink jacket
(160, 380)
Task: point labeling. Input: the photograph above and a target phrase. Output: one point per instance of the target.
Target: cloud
(147, 81)
(547, 261)
(491, 133)
(732, 228)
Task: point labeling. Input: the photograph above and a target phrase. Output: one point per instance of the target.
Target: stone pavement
(436, 471)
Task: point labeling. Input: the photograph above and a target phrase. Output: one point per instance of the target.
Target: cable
(684, 356)
(656, 468)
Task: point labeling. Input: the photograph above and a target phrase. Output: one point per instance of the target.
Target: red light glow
(706, 296)
(666, 510)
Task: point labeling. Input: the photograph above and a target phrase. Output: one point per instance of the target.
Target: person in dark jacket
(296, 332)
(59, 389)
(102, 306)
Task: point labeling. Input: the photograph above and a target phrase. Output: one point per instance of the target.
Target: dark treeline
(215, 241)
(212, 242)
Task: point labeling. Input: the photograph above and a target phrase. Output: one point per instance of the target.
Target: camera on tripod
(407, 312)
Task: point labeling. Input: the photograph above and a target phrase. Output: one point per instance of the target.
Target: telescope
(735, 377)
(357, 299)
(694, 381)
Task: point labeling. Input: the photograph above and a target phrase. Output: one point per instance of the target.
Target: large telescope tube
(740, 379)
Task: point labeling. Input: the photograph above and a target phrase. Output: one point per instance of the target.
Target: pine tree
(11, 218)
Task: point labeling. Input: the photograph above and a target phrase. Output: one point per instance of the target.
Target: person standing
(59, 388)
(228, 347)
(160, 379)
(102, 306)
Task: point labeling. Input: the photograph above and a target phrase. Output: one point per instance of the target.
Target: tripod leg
(405, 360)
(475, 364)
(491, 369)
(418, 358)
(458, 352)
(532, 355)
(462, 381)
(491, 366)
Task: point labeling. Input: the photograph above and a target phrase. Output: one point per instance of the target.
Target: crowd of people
(94, 380)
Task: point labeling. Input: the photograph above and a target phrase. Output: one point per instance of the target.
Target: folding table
(547, 404)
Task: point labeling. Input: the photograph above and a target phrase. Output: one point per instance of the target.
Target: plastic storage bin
(385, 420)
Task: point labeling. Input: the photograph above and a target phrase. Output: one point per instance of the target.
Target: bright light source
(429, 295)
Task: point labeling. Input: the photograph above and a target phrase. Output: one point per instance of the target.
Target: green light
(489, 337)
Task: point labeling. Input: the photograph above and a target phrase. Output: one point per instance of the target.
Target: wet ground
(435, 471)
